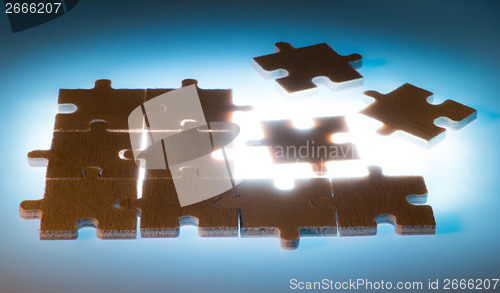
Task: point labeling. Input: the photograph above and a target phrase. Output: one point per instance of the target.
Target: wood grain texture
(162, 215)
(361, 202)
(407, 108)
(288, 144)
(70, 204)
(72, 152)
(100, 103)
(287, 214)
(304, 64)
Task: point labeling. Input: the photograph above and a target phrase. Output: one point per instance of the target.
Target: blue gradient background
(449, 47)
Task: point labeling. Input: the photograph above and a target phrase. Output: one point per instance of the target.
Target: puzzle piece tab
(304, 64)
(407, 108)
(100, 103)
(288, 214)
(288, 144)
(162, 214)
(361, 202)
(73, 151)
(70, 204)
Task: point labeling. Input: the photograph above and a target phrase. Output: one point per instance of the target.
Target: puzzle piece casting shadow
(407, 108)
(307, 63)
(288, 144)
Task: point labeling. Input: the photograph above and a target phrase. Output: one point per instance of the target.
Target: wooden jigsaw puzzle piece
(361, 202)
(306, 63)
(100, 103)
(162, 214)
(217, 104)
(288, 144)
(407, 108)
(73, 151)
(185, 148)
(288, 214)
(70, 204)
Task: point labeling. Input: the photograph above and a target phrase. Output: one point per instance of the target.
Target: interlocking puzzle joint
(71, 152)
(162, 215)
(361, 203)
(99, 103)
(287, 214)
(69, 204)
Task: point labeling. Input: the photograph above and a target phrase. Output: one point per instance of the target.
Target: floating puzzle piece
(361, 202)
(100, 103)
(407, 108)
(88, 201)
(288, 214)
(304, 64)
(288, 144)
(73, 151)
(162, 214)
(216, 104)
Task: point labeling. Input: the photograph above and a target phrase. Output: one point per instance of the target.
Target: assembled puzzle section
(287, 214)
(85, 174)
(217, 104)
(407, 108)
(162, 215)
(100, 103)
(169, 113)
(288, 144)
(73, 151)
(70, 204)
(361, 203)
(307, 63)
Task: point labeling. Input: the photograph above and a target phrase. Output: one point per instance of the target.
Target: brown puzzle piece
(407, 109)
(288, 214)
(288, 144)
(100, 103)
(73, 151)
(361, 202)
(162, 215)
(89, 201)
(217, 104)
(304, 64)
(187, 145)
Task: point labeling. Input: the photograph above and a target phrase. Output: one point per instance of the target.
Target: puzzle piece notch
(217, 104)
(288, 144)
(306, 63)
(88, 201)
(100, 103)
(361, 202)
(287, 214)
(73, 151)
(408, 109)
(162, 214)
